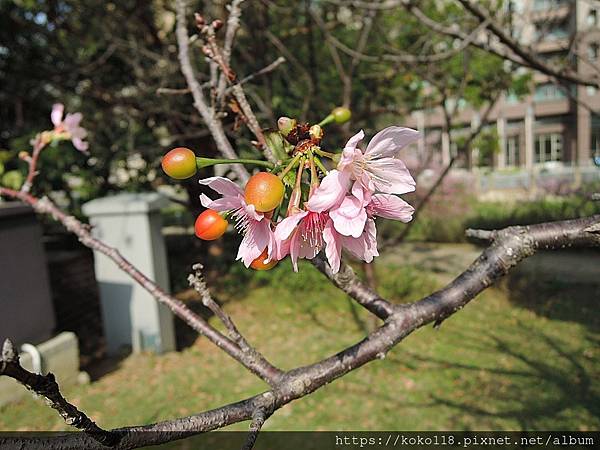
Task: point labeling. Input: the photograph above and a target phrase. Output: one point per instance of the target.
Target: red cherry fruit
(265, 191)
(210, 225)
(259, 263)
(179, 163)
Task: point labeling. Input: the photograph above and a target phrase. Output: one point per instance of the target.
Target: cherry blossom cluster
(299, 208)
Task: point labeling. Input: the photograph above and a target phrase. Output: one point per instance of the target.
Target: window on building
(593, 50)
(591, 90)
(592, 17)
(548, 147)
(595, 138)
(539, 5)
(552, 31)
(511, 152)
(548, 91)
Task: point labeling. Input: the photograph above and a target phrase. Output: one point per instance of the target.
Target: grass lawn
(509, 361)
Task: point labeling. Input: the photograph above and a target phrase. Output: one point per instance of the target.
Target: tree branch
(529, 57)
(253, 362)
(347, 281)
(207, 113)
(46, 386)
(509, 247)
(197, 282)
(233, 23)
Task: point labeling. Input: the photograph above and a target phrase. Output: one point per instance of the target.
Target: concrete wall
(26, 312)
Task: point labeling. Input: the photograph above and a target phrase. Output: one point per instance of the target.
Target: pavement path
(449, 260)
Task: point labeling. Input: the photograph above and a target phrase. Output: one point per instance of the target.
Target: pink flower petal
(221, 204)
(255, 240)
(391, 207)
(365, 246)
(284, 228)
(350, 152)
(389, 141)
(294, 249)
(333, 247)
(354, 140)
(330, 192)
(391, 176)
(79, 144)
(223, 186)
(72, 121)
(350, 217)
(57, 114)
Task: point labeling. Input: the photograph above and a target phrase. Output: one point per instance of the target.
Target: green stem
(207, 162)
(324, 153)
(327, 120)
(290, 166)
(320, 165)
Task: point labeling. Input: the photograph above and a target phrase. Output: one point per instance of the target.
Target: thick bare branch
(46, 386)
(509, 247)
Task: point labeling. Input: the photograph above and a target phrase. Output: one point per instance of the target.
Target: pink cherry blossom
(300, 235)
(70, 126)
(254, 225)
(363, 247)
(377, 169)
(390, 207)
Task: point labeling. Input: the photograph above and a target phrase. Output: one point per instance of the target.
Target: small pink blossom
(255, 226)
(300, 235)
(377, 169)
(350, 217)
(70, 126)
(363, 247)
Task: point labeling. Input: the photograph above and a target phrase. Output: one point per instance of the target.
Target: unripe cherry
(210, 225)
(179, 163)
(265, 191)
(341, 114)
(259, 263)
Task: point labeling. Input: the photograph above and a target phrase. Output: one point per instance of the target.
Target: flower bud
(341, 114)
(316, 132)
(217, 24)
(285, 125)
(200, 22)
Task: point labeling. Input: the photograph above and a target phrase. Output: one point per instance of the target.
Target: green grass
(499, 364)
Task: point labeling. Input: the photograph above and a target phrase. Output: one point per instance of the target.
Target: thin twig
(197, 282)
(207, 113)
(346, 280)
(259, 418)
(38, 145)
(484, 235)
(233, 23)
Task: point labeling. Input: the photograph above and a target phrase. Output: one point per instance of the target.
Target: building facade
(555, 125)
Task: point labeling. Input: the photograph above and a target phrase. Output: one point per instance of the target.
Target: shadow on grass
(533, 387)
(554, 298)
